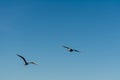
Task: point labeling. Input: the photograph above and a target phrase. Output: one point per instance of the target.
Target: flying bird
(25, 62)
(71, 49)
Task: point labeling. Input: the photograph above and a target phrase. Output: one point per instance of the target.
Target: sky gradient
(37, 30)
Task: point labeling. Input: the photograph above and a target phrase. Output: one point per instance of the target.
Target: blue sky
(38, 29)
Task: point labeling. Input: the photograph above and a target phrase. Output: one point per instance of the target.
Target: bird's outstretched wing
(32, 63)
(76, 50)
(22, 58)
(81, 52)
(66, 47)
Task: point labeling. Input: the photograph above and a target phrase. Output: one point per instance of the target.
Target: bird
(25, 62)
(71, 49)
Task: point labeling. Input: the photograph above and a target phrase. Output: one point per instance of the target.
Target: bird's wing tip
(17, 54)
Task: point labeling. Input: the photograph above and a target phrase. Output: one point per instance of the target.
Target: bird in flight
(25, 62)
(71, 49)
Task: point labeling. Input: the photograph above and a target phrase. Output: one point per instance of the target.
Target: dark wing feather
(22, 58)
(32, 63)
(76, 50)
(66, 47)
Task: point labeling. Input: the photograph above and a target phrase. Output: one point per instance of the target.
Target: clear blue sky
(37, 30)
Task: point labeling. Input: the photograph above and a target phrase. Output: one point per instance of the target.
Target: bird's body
(25, 62)
(70, 49)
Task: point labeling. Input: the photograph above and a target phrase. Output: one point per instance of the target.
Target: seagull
(70, 49)
(26, 63)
